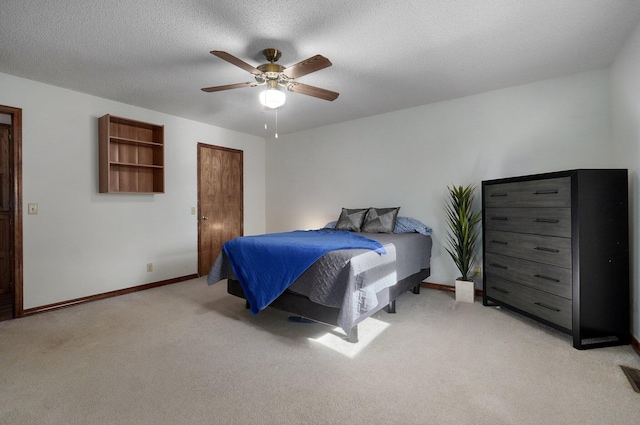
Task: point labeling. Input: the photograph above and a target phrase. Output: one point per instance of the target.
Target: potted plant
(462, 236)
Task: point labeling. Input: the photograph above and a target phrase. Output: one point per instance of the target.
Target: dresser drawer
(542, 249)
(554, 192)
(545, 306)
(539, 221)
(552, 279)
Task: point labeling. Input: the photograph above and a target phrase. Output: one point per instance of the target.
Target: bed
(343, 286)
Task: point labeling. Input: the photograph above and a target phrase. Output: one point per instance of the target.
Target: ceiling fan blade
(307, 66)
(312, 91)
(228, 87)
(236, 61)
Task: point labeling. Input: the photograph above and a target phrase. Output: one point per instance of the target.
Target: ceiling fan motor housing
(272, 71)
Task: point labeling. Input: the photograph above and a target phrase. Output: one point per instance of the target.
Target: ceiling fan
(274, 75)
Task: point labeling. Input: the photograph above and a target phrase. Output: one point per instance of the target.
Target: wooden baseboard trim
(448, 288)
(63, 304)
(635, 344)
(438, 286)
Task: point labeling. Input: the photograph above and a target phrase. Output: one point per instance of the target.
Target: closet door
(220, 201)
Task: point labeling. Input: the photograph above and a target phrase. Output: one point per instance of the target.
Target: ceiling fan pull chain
(277, 123)
(264, 112)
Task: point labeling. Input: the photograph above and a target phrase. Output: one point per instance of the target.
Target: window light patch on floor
(368, 330)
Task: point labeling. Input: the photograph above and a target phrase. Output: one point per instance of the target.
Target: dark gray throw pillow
(380, 220)
(351, 219)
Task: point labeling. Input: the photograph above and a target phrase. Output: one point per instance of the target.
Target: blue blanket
(266, 265)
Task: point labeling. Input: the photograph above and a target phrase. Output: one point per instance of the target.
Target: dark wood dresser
(556, 249)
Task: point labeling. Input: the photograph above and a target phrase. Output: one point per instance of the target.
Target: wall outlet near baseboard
(477, 271)
(149, 267)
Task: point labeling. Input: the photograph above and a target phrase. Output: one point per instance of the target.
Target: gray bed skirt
(301, 305)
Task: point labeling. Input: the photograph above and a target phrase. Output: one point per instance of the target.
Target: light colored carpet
(191, 354)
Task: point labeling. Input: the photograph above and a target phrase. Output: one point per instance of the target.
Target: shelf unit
(131, 156)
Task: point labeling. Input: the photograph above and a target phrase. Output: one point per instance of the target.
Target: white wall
(84, 243)
(625, 83)
(407, 158)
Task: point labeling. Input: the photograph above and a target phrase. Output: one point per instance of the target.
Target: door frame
(16, 211)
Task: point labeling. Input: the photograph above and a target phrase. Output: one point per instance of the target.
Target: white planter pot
(465, 291)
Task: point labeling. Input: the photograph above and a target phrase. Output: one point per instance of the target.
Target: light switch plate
(32, 209)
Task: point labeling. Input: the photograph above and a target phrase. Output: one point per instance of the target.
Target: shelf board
(129, 164)
(135, 142)
(123, 192)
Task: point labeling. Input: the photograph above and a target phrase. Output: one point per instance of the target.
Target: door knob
(204, 217)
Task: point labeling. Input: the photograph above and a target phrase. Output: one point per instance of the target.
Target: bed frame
(294, 303)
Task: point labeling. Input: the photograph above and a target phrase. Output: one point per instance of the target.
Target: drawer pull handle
(495, 195)
(546, 192)
(499, 289)
(500, 218)
(547, 307)
(546, 220)
(500, 266)
(541, 248)
(540, 276)
(500, 242)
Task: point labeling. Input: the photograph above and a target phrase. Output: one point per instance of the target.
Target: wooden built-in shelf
(131, 156)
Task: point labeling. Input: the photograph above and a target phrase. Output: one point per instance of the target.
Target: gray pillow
(380, 220)
(351, 219)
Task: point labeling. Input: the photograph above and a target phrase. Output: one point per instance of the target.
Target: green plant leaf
(462, 233)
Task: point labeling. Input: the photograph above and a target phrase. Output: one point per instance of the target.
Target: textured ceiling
(386, 55)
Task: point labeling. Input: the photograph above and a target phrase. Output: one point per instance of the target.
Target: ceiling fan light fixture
(272, 98)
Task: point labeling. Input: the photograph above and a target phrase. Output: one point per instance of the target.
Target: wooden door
(6, 224)
(220, 201)
(12, 196)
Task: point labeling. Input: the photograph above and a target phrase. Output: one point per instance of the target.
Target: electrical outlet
(149, 267)
(477, 271)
